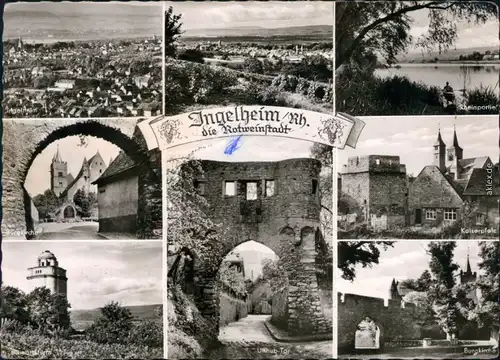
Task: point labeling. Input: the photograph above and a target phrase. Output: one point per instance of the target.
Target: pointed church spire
(455, 139)
(439, 140)
(57, 156)
(468, 265)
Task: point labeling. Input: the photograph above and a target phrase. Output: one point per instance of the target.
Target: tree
(13, 304)
(253, 65)
(422, 284)
(444, 300)
(48, 312)
(231, 277)
(384, 27)
(364, 253)
(487, 311)
(113, 326)
(172, 31)
(47, 203)
(193, 55)
(274, 272)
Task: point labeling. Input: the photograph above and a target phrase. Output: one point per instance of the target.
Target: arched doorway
(251, 286)
(28, 138)
(69, 212)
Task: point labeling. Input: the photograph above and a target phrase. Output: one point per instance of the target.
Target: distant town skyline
(406, 260)
(412, 138)
(269, 14)
(38, 178)
(129, 273)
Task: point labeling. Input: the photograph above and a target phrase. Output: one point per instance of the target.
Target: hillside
(451, 54)
(139, 312)
(294, 34)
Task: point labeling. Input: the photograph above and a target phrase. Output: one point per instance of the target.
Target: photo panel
(425, 299)
(82, 300)
(248, 161)
(79, 179)
(427, 177)
(82, 59)
(416, 58)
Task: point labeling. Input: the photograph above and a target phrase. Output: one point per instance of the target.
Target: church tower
(393, 291)
(453, 156)
(469, 277)
(48, 273)
(58, 174)
(440, 153)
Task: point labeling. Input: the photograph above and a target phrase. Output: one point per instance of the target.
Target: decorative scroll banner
(336, 131)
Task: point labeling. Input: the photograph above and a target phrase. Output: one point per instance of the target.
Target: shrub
(113, 326)
(482, 100)
(192, 55)
(148, 333)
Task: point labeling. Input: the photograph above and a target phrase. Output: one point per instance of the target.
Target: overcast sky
(271, 14)
(98, 272)
(469, 35)
(406, 260)
(413, 138)
(38, 178)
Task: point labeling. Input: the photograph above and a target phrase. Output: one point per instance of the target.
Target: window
(269, 188)
(430, 214)
(102, 189)
(100, 171)
(480, 219)
(199, 187)
(60, 174)
(314, 186)
(450, 214)
(251, 190)
(230, 188)
(60, 183)
(450, 156)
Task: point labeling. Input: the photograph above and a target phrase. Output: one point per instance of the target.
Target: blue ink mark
(232, 146)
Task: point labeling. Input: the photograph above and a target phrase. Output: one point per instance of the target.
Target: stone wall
(377, 185)
(285, 221)
(23, 140)
(231, 308)
(279, 309)
(397, 320)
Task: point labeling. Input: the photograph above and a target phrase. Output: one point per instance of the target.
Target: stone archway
(25, 139)
(285, 221)
(69, 212)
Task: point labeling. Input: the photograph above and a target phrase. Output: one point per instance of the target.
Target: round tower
(48, 274)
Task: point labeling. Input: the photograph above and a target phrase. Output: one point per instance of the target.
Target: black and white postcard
(421, 178)
(417, 57)
(79, 179)
(82, 59)
(89, 300)
(429, 299)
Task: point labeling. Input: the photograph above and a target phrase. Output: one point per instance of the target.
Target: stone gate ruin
(276, 204)
(23, 140)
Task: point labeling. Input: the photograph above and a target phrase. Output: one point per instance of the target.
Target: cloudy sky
(272, 14)
(413, 138)
(407, 259)
(98, 272)
(469, 35)
(38, 179)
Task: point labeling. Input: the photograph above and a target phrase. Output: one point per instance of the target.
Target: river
(458, 75)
